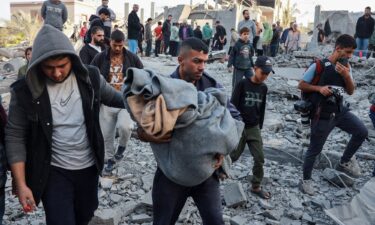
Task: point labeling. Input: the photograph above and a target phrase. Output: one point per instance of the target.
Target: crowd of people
(66, 110)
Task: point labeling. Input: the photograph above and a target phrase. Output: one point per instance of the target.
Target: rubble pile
(125, 197)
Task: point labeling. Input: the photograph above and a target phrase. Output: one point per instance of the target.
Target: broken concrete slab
(266, 204)
(147, 181)
(238, 220)
(106, 183)
(289, 73)
(106, 217)
(142, 218)
(234, 195)
(337, 178)
(146, 199)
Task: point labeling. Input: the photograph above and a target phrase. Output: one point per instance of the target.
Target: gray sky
(305, 6)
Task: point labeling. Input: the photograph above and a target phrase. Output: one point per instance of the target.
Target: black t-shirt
(250, 99)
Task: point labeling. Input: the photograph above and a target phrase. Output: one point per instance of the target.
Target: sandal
(262, 194)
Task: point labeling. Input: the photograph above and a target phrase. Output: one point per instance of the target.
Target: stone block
(146, 199)
(234, 195)
(106, 217)
(142, 218)
(238, 220)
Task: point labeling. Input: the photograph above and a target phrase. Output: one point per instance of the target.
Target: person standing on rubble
(112, 64)
(23, 69)
(169, 197)
(54, 13)
(329, 110)
(363, 31)
(371, 45)
(54, 144)
(293, 40)
(220, 38)
(134, 28)
(107, 24)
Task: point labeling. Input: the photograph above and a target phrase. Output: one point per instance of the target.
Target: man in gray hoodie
(54, 142)
(247, 22)
(108, 21)
(54, 13)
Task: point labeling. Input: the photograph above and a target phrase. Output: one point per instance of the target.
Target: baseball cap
(264, 63)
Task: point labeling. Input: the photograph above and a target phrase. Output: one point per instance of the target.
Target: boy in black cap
(249, 97)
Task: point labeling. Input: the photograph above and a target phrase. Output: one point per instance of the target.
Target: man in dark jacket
(275, 40)
(134, 28)
(220, 38)
(98, 21)
(53, 137)
(198, 33)
(166, 30)
(169, 197)
(363, 31)
(113, 64)
(89, 51)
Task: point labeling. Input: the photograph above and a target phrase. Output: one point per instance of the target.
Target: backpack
(318, 74)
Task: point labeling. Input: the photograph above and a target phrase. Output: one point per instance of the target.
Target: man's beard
(99, 43)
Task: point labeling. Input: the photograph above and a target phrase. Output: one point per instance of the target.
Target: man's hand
(26, 199)
(143, 136)
(230, 69)
(219, 162)
(325, 90)
(344, 71)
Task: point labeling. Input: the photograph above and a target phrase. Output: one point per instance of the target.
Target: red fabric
(158, 32)
(83, 31)
(372, 108)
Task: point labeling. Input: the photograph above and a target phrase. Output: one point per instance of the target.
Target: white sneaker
(351, 168)
(306, 187)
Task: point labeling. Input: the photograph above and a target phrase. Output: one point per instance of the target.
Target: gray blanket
(200, 133)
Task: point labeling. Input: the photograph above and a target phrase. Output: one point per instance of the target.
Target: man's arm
(15, 141)
(306, 86)
(113, 15)
(263, 108)
(110, 96)
(84, 55)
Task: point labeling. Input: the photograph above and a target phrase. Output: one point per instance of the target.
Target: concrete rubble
(125, 197)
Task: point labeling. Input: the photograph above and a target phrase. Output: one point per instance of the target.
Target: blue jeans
(362, 45)
(133, 45)
(169, 198)
(320, 130)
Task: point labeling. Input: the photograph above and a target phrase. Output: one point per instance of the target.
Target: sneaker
(350, 168)
(119, 153)
(306, 187)
(109, 167)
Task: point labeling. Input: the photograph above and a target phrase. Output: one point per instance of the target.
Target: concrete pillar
(314, 41)
(165, 12)
(156, 15)
(152, 10)
(126, 10)
(142, 15)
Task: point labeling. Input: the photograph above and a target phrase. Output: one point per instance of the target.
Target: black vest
(330, 77)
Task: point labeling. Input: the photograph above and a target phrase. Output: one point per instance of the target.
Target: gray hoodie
(54, 14)
(49, 42)
(112, 17)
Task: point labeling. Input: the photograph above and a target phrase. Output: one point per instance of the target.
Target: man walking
(363, 30)
(112, 64)
(54, 13)
(247, 22)
(108, 22)
(169, 197)
(185, 31)
(166, 30)
(90, 50)
(53, 138)
(220, 38)
(134, 28)
(98, 21)
(330, 112)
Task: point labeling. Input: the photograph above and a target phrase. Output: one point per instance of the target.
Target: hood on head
(266, 25)
(49, 42)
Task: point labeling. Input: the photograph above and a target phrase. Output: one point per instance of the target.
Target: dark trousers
(157, 47)
(148, 47)
(372, 117)
(71, 196)
(259, 52)
(169, 198)
(207, 42)
(320, 130)
(166, 44)
(140, 47)
(274, 48)
(173, 47)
